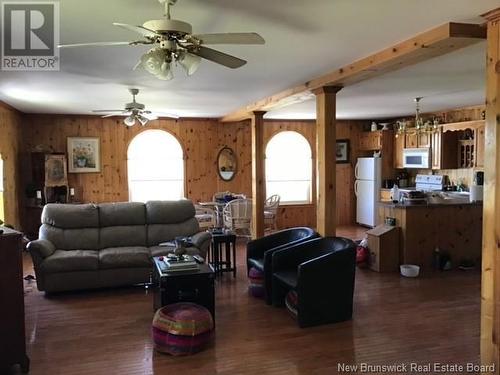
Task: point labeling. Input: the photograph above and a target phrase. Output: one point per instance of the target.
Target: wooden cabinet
(424, 140)
(399, 145)
(444, 149)
(411, 140)
(480, 141)
(370, 141)
(12, 330)
(436, 149)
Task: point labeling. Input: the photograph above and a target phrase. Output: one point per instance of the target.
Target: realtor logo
(30, 35)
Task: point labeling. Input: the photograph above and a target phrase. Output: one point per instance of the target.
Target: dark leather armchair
(259, 251)
(321, 272)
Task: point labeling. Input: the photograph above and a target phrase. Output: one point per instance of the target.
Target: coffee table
(195, 286)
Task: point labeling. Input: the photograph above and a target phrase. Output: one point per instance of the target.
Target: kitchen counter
(453, 227)
(428, 204)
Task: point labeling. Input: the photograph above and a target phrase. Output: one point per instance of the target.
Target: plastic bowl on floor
(409, 270)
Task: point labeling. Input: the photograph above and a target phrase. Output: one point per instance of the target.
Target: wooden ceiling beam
(435, 42)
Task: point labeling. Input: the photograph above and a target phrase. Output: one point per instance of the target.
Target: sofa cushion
(158, 233)
(70, 216)
(71, 239)
(67, 261)
(169, 212)
(121, 214)
(158, 251)
(121, 236)
(123, 257)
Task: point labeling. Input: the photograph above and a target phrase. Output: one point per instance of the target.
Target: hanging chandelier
(403, 127)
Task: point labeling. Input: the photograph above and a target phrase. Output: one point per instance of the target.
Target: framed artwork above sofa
(84, 154)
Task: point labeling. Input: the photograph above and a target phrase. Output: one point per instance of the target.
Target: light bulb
(129, 121)
(190, 63)
(165, 72)
(143, 120)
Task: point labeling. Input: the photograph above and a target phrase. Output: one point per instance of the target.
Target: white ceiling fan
(135, 112)
(173, 41)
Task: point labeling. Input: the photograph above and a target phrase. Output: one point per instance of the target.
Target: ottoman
(182, 328)
(256, 283)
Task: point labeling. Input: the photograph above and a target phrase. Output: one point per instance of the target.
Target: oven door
(416, 158)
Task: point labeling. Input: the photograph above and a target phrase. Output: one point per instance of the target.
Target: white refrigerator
(368, 173)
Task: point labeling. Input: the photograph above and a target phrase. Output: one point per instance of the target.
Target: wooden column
(258, 174)
(490, 283)
(325, 159)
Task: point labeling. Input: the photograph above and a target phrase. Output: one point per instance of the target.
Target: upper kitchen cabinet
(379, 140)
(417, 140)
(469, 137)
(399, 145)
(370, 141)
(444, 150)
(480, 139)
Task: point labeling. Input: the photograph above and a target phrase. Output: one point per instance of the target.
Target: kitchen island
(454, 228)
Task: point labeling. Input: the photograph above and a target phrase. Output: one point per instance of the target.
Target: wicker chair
(238, 217)
(206, 217)
(271, 212)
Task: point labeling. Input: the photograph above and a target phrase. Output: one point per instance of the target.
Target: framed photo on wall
(342, 152)
(84, 154)
(55, 170)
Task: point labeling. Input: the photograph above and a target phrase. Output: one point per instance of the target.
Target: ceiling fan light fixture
(165, 72)
(189, 62)
(129, 121)
(143, 120)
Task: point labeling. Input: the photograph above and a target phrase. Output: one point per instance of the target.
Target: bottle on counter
(395, 194)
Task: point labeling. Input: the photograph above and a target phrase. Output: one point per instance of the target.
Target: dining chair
(206, 217)
(238, 217)
(271, 212)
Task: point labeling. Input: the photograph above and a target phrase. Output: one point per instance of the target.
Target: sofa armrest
(41, 248)
(202, 241)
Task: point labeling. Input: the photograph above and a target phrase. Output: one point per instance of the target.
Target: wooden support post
(258, 174)
(490, 283)
(326, 159)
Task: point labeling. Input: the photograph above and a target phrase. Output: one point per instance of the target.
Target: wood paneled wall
(201, 139)
(10, 140)
(238, 137)
(198, 138)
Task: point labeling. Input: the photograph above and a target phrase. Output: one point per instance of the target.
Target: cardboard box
(383, 244)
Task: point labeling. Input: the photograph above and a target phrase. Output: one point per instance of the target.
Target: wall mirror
(226, 164)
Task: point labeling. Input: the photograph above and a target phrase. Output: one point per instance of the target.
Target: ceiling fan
(134, 112)
(174, 42)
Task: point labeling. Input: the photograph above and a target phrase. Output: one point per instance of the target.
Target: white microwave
(417, 158)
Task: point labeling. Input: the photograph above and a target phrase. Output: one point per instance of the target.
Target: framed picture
(342, 152)
(55, 170)
(84, 154)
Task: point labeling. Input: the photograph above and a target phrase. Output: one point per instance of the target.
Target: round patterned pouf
(182, 328)
(256, 283)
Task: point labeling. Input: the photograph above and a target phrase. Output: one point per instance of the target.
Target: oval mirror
(226, 164)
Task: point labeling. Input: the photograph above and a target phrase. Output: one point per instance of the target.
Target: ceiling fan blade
(100, 44)
(156, 115)
(230, 38)
(109, 111)
(219, 57)
(110, 115)
(149, 115)
(137, 29)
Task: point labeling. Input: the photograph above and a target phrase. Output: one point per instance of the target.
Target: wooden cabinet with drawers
(12, 330)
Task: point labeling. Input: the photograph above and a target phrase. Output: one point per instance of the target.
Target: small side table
(223, 253)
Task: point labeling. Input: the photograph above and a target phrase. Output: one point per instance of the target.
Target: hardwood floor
(434, 318)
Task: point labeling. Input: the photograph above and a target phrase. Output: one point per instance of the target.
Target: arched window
(155, 167)
(289, 167)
